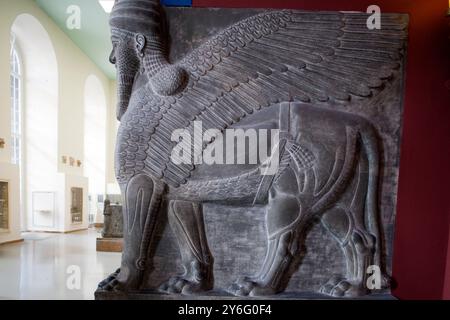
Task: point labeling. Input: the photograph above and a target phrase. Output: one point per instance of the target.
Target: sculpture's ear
(140, 44)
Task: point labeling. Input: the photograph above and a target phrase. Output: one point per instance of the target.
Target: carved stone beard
(127, 66)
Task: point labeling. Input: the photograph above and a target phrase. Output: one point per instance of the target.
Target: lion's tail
(370, 144)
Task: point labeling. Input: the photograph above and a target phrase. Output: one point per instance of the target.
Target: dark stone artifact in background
(113, 220)
(330, 85)
(112, 233)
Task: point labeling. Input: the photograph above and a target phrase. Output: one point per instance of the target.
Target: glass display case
(76, 207)
(4, 206)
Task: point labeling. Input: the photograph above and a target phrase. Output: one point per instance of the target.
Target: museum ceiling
(93, 36)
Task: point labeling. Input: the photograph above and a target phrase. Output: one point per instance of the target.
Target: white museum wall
(73, 69)
(113, 126)
(95, 143)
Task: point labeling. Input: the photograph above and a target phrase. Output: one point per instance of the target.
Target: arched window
(36, 139)
(16, 117)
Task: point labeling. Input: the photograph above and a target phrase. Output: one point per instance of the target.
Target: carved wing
(278, 56)
(310, 56)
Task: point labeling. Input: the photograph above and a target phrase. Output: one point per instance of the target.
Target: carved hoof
(111, 283)
(386, 281)
(185, 286)
(339, 287)
(248, 287)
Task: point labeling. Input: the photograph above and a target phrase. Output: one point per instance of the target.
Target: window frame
(16, 83)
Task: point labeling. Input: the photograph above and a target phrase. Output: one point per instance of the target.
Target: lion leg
(357, 246)
(282, 216)
(347, 224)
(141, 216)
(187, 223)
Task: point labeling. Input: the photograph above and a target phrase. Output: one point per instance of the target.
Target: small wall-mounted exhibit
(75, 200)
(4, 206)
(9, 203)
(44, 210)
(71, 161)
(76, 205)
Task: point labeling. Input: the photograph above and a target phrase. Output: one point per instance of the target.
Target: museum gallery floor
(54, 267)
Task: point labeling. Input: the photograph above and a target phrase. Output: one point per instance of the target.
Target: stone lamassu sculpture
(274, 70)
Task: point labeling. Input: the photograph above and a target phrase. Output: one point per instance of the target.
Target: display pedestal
(217, 295)
(109, 244)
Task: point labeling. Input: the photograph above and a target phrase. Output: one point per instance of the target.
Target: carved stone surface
(113, 220)
(334, 90)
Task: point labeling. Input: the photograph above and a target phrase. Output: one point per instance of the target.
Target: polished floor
(54, 266)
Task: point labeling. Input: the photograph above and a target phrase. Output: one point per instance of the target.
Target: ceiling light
(107, 5)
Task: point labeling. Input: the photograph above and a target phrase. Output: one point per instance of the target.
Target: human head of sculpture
(140, 45)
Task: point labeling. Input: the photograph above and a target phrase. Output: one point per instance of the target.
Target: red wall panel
(423, 212)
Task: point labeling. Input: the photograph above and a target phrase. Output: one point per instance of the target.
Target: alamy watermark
(73, 281)
(231, 147)
(374, 280)
(73, 21)
(374, 21)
